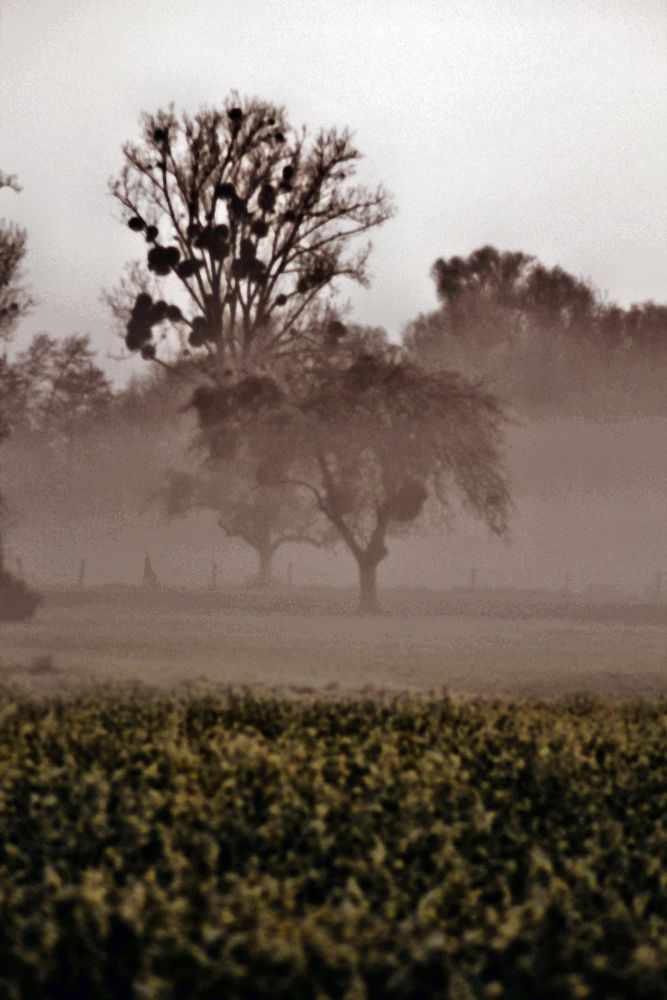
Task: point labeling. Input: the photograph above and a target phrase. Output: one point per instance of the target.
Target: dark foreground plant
(241, 848)
(17, 601)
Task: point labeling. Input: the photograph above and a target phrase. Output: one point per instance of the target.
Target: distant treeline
(549, 343)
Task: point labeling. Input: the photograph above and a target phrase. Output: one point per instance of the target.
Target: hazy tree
(644, 331)
(17, 600)
(91, 507)
(513, 281)
(4, 433)
(228, 480)
(540, 333)
(264, 517)
(249, 223)
(11, 396)
(369, 441)
(252, 220)
(495, 304)
(58, 386)
(53, 393)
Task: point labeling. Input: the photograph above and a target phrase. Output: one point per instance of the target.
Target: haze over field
(589, 504)
(511, 158)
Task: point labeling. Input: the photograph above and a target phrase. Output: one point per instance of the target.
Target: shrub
(232, 847)
(17, 601)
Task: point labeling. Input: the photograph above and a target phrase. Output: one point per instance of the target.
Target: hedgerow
(232, 847)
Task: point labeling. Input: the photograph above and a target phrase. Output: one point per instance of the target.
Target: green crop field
(236, 847)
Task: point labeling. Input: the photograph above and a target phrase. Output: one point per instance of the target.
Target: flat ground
(169, 639)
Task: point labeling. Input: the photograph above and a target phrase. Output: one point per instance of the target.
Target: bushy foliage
(211, 847)
(369, 436)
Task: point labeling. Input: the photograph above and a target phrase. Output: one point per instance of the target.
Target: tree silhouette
(265, 517)
(370, 439)
(58, 386)
(253, 222)
(501, 299)
(49, 396)
(540, 333)
(228, 480)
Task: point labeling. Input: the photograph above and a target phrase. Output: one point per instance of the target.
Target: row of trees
(541, 334)
(48, 392)
(310, 429)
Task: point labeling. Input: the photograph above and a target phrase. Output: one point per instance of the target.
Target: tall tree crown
(254, 219)
(370, 439)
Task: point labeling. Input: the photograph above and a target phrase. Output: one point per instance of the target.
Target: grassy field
(266, 642)
(171, 846)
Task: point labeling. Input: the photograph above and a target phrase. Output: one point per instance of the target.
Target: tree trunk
(264, 572)
(368, 596)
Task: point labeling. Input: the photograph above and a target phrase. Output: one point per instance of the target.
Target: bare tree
(255, 222)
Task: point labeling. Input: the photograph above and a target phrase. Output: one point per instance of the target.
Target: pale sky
(534, 125)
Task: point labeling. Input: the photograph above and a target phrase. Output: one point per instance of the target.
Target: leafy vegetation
(550, 341)
(228, 846)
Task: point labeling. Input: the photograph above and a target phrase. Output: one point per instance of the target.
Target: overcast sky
(534, 125)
